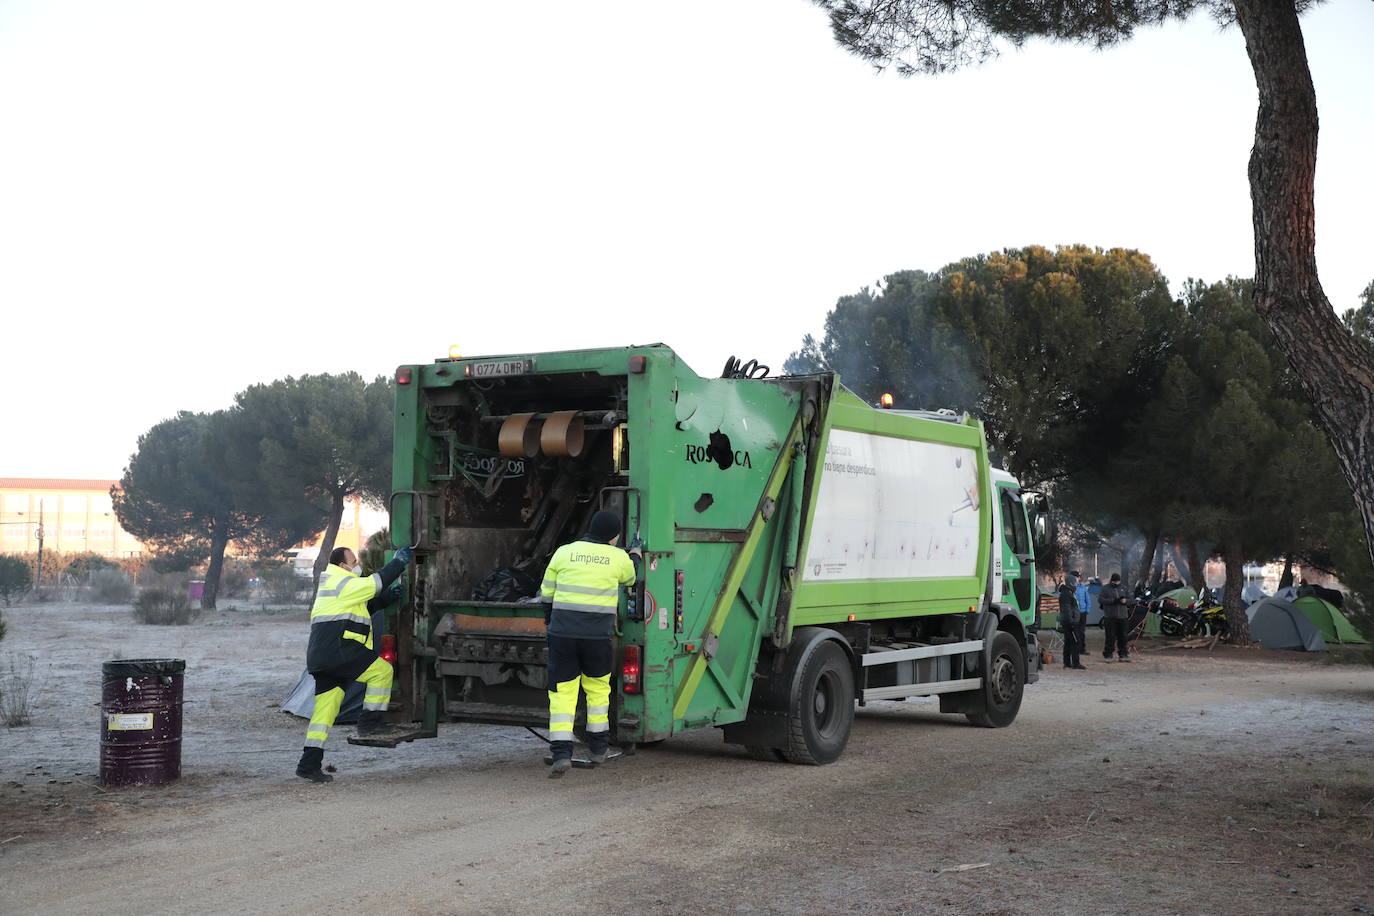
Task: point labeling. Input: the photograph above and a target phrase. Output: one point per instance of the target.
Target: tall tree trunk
(1235, 584)
(1147, 559)
(1197, 570)
(331, 532)
(1335, 370)
(219, 541)
(1286, 579)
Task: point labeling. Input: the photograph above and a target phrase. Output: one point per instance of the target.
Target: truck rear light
(388, 651)
(629, 670)
(403, 375)
(638, 364)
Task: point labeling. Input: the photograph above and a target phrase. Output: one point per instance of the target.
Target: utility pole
(38, 579)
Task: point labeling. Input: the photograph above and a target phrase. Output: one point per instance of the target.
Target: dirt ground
(1239, 781)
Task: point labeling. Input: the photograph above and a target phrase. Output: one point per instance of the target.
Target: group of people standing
(1073, 619)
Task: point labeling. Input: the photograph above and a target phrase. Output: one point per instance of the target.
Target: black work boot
(562, 758)
(597, 745)
(309, 767)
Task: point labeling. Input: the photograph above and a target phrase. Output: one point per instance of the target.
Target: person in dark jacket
(1070, 621)
(341, 650)
(1115, 612)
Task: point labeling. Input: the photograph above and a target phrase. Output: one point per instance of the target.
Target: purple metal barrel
(140, 721)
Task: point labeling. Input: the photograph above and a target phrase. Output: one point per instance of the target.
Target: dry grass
(16, 692)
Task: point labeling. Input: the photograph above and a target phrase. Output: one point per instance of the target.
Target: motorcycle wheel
(1170, 627)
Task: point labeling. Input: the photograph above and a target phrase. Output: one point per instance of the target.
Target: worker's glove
(393, 594)
(405, 554)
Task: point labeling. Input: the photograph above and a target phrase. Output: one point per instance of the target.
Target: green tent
(1328, 618)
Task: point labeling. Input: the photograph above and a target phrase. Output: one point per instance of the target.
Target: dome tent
(1277, 624)
(1329, 619)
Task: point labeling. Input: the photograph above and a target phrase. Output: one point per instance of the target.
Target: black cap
(605, 525)
(1116, 577)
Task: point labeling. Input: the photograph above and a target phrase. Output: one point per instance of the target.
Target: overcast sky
(197, 196)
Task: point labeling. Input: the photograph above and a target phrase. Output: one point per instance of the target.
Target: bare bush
(16, 692)
(233, 580)
(164, 607)
(111, 586)
(282, 587)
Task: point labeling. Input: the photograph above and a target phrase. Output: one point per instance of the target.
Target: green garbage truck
(803, 551)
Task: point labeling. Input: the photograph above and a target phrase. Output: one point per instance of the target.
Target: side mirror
(1043, 534)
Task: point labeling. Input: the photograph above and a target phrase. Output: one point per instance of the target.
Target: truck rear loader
(803, 551)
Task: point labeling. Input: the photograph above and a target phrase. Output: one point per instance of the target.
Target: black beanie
(605, 525)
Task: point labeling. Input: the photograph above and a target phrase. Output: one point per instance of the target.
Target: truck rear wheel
(1003, 684)
(820, 711)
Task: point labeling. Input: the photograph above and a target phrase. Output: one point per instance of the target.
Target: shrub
(16, 693)
(164, 607)
(110, 586)
(15, 579)
(84, 565)
(233, 580)
(282, 587)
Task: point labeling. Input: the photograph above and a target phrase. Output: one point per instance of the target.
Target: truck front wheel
(820, 710)
(1003, 684)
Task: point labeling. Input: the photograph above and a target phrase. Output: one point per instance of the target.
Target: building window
(16, 502)
(16, 532)
(74, 504)
(75, 532)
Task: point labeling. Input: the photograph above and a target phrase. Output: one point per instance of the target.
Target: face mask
(357, 570)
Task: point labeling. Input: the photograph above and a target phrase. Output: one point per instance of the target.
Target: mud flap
(974, 701)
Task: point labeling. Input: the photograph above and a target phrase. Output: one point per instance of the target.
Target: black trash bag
(505, 584)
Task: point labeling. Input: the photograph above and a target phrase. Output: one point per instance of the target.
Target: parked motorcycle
(1208, 616)
(1174, 618)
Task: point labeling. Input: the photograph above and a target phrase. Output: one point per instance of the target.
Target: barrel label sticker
(131, 721)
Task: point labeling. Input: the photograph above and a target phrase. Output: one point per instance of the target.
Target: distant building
(77, 517)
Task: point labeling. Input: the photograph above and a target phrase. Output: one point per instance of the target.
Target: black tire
(820, 711)
(1003, 684)
(1169, 626)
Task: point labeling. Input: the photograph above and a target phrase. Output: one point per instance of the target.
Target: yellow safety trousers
(376, 696)
(563, 706)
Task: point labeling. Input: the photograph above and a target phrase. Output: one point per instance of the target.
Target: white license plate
(501, 367)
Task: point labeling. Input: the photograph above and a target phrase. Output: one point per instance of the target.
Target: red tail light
(629, 670)
(403, 375)
(388, 651)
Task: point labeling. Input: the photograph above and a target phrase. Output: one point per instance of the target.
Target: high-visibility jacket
(340, 625)
(583, 583)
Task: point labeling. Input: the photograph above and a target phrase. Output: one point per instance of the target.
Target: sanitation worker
(341, 651)
(582, 591)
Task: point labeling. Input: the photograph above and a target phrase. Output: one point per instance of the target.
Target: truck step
(392, 742)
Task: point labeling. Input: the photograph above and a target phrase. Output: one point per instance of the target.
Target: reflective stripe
(342, 615)
(585, 590)
(598, 710)
(598, 726)
(376, 707)
(555, 718)
(584, 608)
(314, 742)
(377, 582)
(324, 592)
